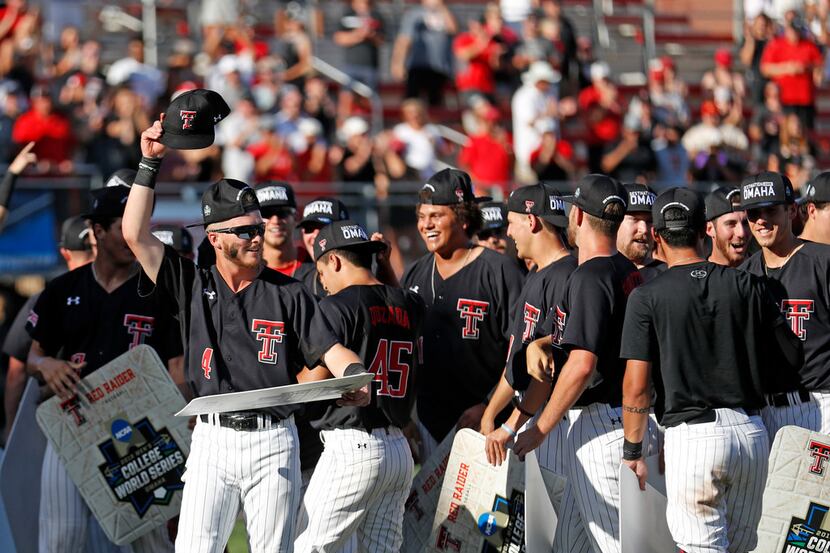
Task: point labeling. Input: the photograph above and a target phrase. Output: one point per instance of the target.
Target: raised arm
(136, 222)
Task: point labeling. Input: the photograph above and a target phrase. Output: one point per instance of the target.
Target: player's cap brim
(482, 199)
(370, 246)
(187, 141)
(560, 221)
(772, 203)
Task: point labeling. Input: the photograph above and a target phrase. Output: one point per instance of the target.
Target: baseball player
(634, 238)
(247, 327)
(702, 336)
(279, 208)
(536, 219)
(82, 320)
(816, 207)
(727, 227)
(493, 227)
(316, 215)
(76, 251)
(587, 325)
(796, 273)
(469, 292)
(363, 478)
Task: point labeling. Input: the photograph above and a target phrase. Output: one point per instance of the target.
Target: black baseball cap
(721, 201)
(541, 200)
(493, 215)
(596, 191)
(346, 234)
(323, 211)
(108, 202)
(226, 199)
(688, 201)
(75, 235)
(190, 118)
(640, 198)
(179, 238)
(766, 189)
(818, 189)
(449, 187)
(122, 177)
(276, 194)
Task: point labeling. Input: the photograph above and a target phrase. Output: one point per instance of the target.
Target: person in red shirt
(50, 131)
(487, 156)
(603, 114)
(794, 62)
(272, 158)
(478, 55)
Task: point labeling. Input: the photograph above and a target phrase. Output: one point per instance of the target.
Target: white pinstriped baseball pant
(257, 471)
(813, 415)
(715, 478)
(66, 524)
(359, 486)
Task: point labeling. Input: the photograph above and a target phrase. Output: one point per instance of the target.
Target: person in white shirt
(421, 139)
(535, 100)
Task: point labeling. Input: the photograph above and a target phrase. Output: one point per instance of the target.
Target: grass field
(238, 542)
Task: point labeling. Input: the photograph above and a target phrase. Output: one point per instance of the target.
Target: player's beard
(234, 254)
(571, 232)
(723, 246)
(636, 251)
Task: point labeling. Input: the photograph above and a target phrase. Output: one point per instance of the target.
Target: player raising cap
(727, 226)
(363, 478)
(816, 206)
(246, 327)
(469, 291)
(705, 338)
(798, 273)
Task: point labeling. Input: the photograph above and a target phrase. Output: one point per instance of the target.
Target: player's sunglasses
(280, 212)
(245, 232)
(491, 233)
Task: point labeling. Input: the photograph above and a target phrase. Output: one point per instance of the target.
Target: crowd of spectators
(534, 102)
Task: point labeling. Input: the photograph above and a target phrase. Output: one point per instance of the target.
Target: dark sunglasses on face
(492, 233)
(280, 212)
(245, 232)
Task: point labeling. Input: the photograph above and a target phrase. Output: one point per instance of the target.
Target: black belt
(710, 416)
(784, 400)
(244, 421)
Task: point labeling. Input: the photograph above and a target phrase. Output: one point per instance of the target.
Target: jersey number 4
(207, 357)
(388, 360)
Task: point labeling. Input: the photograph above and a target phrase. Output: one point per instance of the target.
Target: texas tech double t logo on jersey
(531, 317)
(472, 312)
(140, 327)
(797, 313)
(270, 333)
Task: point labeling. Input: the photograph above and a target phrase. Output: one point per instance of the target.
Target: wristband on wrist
(518, 405)
(148, 169)
(632, 451)
(509, 430)
(353, 369)
(6, 188)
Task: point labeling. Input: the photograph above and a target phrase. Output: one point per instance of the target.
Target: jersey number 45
(388, 366)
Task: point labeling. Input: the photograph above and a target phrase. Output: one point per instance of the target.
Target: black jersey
(590, 317)
(307, 274)
(541, 291)
(802, 289)
(466, 334)
(17, 341)
(709, 332)
(382, 325)
(75, 319)
(654, 268)
(259, 337)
